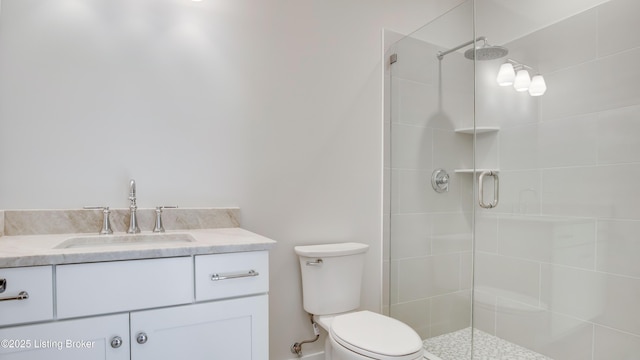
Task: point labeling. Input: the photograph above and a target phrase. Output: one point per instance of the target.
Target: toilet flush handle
(318, 262)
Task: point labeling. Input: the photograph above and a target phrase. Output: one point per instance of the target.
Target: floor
(457, 346)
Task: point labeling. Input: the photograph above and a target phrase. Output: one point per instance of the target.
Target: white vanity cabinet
(82, 339)
(228, 330)
(196, 307)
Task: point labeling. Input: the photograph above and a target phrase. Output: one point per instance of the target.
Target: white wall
(273, 106)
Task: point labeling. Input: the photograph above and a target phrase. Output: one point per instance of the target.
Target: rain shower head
(486, 52)
(482, 52)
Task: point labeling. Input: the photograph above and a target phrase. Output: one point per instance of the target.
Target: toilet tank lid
(329, 250)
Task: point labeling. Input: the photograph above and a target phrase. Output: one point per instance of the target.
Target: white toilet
(331, 281)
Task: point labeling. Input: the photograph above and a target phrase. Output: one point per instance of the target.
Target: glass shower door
(430, 179)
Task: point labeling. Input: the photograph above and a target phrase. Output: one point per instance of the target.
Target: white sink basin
(123, 240)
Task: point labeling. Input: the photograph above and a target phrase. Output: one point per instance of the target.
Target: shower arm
(441, 54)
(519, 66)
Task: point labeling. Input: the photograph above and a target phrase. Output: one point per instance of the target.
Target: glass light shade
(538, 86)
(522, 81)
(506, 75)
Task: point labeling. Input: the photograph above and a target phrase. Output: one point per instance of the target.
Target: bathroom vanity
(67, 297)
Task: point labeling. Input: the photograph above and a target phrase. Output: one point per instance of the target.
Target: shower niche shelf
(484, 144)
(479, 130)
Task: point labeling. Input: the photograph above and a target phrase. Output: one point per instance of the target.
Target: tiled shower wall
(557, 263)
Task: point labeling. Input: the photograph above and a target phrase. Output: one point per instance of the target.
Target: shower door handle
(496, 189)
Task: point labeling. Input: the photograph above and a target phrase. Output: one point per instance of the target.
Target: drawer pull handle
(23, 295)
(227, 276)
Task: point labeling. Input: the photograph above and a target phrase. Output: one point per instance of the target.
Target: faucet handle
(106, 224)
(158, 227)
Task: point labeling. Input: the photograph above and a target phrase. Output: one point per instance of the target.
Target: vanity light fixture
(538, 87)
(506, 75)
(517, 74)
(522, 80)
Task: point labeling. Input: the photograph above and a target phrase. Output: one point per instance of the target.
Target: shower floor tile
(457, 346)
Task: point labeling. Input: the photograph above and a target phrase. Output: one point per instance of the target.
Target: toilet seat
(376, 336)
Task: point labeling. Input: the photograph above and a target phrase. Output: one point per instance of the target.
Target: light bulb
(506, 75)
(522, 81)
(538, 86)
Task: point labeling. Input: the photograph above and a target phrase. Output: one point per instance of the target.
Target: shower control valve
(440, 180)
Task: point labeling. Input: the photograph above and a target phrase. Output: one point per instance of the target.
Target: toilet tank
(331, 276)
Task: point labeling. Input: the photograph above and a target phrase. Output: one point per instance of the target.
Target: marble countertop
(33, 250)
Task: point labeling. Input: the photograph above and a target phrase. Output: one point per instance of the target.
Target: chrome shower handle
(496, 189)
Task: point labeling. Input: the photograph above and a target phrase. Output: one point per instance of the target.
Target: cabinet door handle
(116, 342)
(23, 295)
(142, 338)
(227, 276)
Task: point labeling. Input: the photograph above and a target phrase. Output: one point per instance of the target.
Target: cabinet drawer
(37, 282)
(237, 274)
(109, 287)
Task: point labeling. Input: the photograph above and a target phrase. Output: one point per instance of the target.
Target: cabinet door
(235, 329)
(85, 339)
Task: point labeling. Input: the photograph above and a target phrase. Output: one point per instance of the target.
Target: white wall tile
(519, 147)
(486, 232)
(416, 314)
(618, 140)
(450, 312)
(554, 335)
(410, 235)
(604, 299)
(545, 144)
(412, 193)
(583, 191)
(570, 142)
(486, 150)
(564, 44)
(618, 27)
(451, 233)
(618, 247)
(411, 147)
(484, 311)
(466, 270)
(566, 241)
(611, 344)
(412, 102)
(451, 150)
(438, 275)
(514, 278)
(598, 85)
(520, 192)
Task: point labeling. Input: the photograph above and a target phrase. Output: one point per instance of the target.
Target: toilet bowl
(368, 335)
(331, 282)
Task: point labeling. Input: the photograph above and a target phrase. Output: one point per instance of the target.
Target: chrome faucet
(133, 223)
